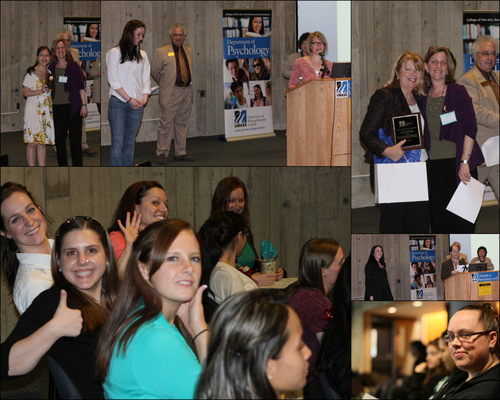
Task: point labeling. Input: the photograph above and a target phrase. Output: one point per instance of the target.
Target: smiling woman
(472, 338)
(25, 246)
(141, 348)
(64, 321)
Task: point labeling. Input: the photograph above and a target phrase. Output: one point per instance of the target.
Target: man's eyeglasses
(462, 336)
(488, 54)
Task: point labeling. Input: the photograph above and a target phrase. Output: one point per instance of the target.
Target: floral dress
(38, 118)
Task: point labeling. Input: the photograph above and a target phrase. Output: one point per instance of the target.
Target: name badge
(63, 79)
(171, 54)
(448, 118)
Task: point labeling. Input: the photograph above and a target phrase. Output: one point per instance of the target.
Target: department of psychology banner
(247, 73)
(423, 282)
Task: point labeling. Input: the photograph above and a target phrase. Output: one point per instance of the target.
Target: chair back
(64, 385)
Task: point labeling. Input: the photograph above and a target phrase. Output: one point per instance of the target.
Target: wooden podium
(461, 286)
(318, 123)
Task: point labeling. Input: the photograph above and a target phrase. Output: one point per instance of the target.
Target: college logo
(420, 294)
(343, 89)
(240, 118)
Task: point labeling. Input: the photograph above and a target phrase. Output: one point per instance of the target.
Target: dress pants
(63, 122)
(174, 121)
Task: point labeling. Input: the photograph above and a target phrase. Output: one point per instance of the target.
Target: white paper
(490, 150)
(155, 90)
(401, 183)
(467, 199)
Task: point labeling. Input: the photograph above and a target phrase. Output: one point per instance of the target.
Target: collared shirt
(487, 76)
(132, 76)
(178, 80)
(33, 277)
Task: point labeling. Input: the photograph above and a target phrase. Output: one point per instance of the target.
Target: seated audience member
(427, 374)
(472, 338)
(256, 350)
(319, 265)
(64, 321)
(481, 258)
(287, 68)
(453, 264)
(25, 246)
(142, 204)
(222, 239)
(141, 352)
(231, 195)
(454, 375)
(334, 357)
(460, 255)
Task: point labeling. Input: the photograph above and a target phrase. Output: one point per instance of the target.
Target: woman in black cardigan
(400, 96)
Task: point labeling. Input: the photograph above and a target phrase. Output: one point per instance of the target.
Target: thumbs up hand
(69, 322)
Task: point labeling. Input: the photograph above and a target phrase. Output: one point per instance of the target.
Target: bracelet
(129, 99)
(199, 333)
(84, 105)
(466, 154)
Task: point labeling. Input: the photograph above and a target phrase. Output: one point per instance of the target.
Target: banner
(423, 282)
(247, 73)
(87, 40)
(475, 24)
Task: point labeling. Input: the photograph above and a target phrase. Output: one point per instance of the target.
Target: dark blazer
(376, 283)
(457, 99)
(385, 103)
(447, 267)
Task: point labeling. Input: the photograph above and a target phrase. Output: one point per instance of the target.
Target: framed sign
(408, 127)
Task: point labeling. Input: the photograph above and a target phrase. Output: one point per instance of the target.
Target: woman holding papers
(450, 138)
(401, 95)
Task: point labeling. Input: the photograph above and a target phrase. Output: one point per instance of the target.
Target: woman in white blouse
(129, 81)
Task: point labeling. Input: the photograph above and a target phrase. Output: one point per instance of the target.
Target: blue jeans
(124, 124)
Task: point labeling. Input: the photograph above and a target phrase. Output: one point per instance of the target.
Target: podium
(319, 123)
(472, 286)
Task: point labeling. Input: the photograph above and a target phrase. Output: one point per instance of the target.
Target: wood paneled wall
(397, 258)
(27, 25)
(380, 32)
(203, 20)
(288, 205)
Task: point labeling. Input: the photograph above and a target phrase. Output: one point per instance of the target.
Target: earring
(270, 377)
(107, 266)
(60, 270)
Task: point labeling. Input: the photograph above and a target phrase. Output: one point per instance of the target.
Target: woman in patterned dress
(38, 120)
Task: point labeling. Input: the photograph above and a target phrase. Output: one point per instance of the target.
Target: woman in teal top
(142, 353)
(231, 195)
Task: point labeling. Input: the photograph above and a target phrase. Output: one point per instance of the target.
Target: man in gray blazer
(172, 69)
(482, 85)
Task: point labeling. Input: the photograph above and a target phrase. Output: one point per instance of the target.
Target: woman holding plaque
(38, 119)
(311, 297)
(70, 103)
(450, 138)
(313, 65)
(401, 95)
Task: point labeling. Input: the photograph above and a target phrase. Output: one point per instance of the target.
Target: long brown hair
(94, 314)
(138, 301)
(220, 199)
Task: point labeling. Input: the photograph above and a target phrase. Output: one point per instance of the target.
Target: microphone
(324, 69)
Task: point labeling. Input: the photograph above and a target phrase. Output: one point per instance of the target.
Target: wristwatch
(464, 162)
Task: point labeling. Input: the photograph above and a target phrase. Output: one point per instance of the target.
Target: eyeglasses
(256, 65)
(317, 43)
(462, 336)
(177, 34)
(488, 54)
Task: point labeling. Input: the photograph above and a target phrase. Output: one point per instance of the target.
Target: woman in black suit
(376, 284)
